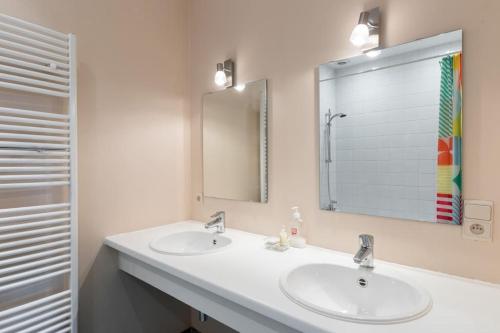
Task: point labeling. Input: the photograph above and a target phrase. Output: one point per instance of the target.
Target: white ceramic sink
(357, 295)
(189, 243)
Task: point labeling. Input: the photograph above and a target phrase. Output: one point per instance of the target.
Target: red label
(294, 231)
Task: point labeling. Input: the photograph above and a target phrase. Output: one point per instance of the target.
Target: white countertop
(248, 274)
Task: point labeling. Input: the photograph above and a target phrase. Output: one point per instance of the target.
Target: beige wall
(133, 144)
(284, 40)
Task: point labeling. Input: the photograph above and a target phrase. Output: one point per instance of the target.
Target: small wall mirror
(391, 131)
(235, 143)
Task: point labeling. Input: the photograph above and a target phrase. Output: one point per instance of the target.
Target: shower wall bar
(38, 154)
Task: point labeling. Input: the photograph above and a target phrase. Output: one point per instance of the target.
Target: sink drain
(362, 283)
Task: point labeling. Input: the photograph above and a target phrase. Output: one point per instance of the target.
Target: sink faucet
(364, 257)
(218, 221)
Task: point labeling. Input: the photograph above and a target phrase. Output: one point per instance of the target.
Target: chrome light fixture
(225, 73)
(366, 34)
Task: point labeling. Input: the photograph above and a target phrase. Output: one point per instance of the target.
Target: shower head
(330, 117)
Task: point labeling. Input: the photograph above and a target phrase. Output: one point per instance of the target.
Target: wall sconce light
(224, 75)
(366, 34)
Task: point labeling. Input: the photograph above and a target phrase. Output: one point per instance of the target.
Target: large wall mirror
(235, 143)
(391, 131)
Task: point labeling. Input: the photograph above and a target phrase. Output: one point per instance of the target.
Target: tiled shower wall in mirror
(384, 151)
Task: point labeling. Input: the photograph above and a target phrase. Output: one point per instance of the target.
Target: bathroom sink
(357, 295)
(189, 243)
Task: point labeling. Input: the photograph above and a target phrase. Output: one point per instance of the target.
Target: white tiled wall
(385, 149)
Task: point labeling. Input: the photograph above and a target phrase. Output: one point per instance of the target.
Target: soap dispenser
(296, 240)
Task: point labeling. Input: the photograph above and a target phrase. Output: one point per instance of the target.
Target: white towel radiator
(38, 179)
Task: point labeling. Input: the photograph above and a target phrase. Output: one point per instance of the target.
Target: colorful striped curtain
(449, 170)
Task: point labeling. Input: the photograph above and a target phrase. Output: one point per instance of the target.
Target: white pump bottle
(296, 240)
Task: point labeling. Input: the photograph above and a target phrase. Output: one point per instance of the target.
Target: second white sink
(189, 243)
(357, 295)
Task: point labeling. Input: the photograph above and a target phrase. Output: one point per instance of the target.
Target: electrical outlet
(478, 220)
(476, 230)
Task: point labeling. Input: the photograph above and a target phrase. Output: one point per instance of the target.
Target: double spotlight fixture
(365, 35)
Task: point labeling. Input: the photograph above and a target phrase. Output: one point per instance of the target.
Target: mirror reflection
(390, 131)
(235, 143)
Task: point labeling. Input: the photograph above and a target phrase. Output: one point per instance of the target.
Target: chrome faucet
(218, 221)
(364, 257)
